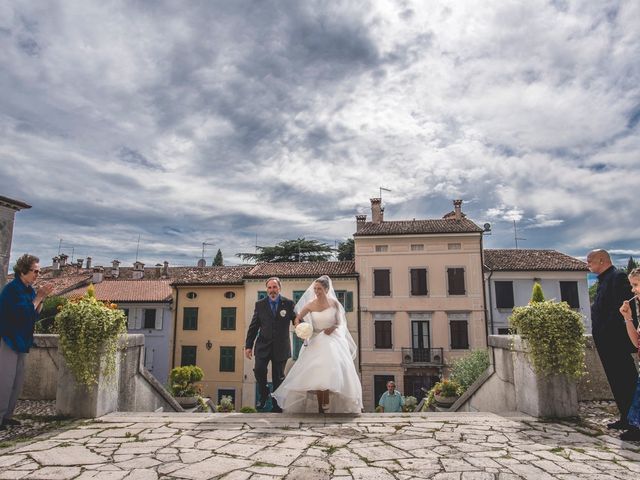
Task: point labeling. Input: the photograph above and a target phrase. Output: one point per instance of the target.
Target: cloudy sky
(221, 122)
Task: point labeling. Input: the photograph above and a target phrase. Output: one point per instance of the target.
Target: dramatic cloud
(232, 123)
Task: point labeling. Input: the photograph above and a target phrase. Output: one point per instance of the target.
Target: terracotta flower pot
(445, 402)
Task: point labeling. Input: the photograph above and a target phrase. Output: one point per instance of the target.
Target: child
(634, 334)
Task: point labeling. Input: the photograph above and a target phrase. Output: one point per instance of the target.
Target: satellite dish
(487, 227)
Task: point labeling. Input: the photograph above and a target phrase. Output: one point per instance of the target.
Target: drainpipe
(490, 300)
(359, 326)
(175, 330)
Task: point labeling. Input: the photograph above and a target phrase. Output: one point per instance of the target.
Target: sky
(152, 129)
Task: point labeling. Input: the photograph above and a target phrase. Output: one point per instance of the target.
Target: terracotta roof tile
(302, 269)
(128, 291)
(408, 227)
(64, 283)
(212, 275)
(531, 260)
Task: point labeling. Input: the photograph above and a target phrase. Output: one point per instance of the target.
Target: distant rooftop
(531, 260)
(212, 275)
(302, 269)
(128, 291)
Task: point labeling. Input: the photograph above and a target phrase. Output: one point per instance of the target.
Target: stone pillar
(8, 209)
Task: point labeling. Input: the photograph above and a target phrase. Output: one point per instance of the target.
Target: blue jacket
(18, 316)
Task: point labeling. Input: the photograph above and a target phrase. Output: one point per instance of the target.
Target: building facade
(511, 273)
(421, 298)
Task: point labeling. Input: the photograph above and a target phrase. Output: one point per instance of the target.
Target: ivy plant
(469, 368)
(554, 334)
(88, 332)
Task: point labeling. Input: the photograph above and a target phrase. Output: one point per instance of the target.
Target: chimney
(202, 263)
(79, 262)
(377, 211)
(88, 263)
(158, 270)
(457, 208)
(138, 270)
(360, 221)
(63, 259)
(56, 263)
(165, 269)
(98, 275)
(115, 269)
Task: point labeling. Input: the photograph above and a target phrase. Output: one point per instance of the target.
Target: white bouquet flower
(304, 330)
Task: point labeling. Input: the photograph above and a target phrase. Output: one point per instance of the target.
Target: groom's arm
(252, 333)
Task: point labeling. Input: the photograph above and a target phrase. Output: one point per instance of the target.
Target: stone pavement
(235, 446)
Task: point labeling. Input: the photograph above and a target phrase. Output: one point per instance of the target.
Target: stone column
(8, 209)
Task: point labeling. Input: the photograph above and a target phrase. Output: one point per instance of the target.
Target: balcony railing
(422, 356)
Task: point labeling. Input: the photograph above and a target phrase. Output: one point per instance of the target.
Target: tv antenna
(515, 234)
(383, 189)
(203, 245)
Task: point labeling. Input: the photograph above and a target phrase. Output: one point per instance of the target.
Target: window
(459, 331)
(227, 359)
(504, 331)
(382, 283)
(569, 294)
(190, 318)
(504, 295)
(188, 356)
(418, 281)
(454, 246)
(191, 295)
(262, 294)
(149, 318)
(383, 330)
(229, 294)
(417, 247)
(297, 295)
(380, 385)
(382, 248)
(346, 299)
(228, 315)
(456, 281)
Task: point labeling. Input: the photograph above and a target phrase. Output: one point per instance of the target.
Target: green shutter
(297, 345)
(348, 302)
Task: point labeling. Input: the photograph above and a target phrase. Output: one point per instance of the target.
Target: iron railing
(422, 356)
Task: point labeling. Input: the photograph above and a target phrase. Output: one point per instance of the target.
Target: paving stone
(369, 473)
(141, 474)
(210, 467)
(380, 453)
(72, 455)
(55, 473)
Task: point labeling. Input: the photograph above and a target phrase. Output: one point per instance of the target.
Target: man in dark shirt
(19, 307)
(610, 334)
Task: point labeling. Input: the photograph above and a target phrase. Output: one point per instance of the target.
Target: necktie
(273, 307)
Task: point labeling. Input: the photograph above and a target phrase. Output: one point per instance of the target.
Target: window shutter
(139, 313)
(348, 302)
(131, 318)
(159, 315)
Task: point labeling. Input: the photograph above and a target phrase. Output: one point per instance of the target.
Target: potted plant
(88, 332)
(446, 392)
(226, 404)
(182, 384)
(410, 403)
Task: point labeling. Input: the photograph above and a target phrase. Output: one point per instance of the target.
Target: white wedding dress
(324, 364)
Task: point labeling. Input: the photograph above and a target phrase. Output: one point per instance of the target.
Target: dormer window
(382, 248)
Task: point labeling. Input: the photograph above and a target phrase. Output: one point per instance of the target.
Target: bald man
(610, 334)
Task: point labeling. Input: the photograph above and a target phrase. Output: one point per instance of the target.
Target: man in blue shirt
(391, 400)
(19, 307)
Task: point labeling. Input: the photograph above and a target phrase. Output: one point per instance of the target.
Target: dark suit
(273, 344)
(611, 338)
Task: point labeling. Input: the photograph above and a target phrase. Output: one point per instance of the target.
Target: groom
(270, 323)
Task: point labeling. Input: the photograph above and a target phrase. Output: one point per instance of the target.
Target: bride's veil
(342, 329)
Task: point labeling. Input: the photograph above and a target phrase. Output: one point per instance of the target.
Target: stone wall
(133, 390)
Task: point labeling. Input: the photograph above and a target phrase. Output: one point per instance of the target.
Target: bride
(324, 368)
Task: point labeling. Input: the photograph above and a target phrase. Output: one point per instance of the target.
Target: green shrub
(248, 410)
(50, 308)
(554, 334)
(536, 294)
(468, 369)
(226, 404)
(410, 403)
(182, 381)
(88, 331)
(443, 388)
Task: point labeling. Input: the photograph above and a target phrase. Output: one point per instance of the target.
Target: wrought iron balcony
(422, 356)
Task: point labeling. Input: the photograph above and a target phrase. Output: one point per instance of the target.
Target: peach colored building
(209, 305)
(421, 298)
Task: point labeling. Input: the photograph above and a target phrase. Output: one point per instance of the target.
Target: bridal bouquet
(304, 330)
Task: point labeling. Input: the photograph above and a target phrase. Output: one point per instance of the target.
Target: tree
(346, 250)
(218, 262)
(536, 294)
(631, 264)
(300, 250)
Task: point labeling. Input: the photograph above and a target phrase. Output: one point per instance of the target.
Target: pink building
(421, 298)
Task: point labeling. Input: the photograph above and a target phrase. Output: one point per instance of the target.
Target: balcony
(422, 356)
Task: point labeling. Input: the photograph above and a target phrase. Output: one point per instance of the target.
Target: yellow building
(421, 298)
(209, 327)
(296, 278)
